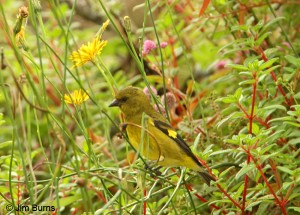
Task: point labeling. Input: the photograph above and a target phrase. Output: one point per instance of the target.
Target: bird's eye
(124, 99)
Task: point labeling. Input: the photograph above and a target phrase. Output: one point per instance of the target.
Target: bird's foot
(154, 172)
(123, 127)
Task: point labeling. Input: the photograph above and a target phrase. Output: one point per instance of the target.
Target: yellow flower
(77, 97)
(88, 52)
(20, 36)
(104, 25)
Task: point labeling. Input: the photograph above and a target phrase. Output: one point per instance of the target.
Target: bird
(152, 136)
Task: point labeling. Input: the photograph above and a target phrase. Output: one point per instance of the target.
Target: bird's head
(131, 100)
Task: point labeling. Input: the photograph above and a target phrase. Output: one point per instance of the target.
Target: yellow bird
(150, 133)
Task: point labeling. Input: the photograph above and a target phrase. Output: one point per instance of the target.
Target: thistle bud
(23, 14)
(170, 100)
(127, 24)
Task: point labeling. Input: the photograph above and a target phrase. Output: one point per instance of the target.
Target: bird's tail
(207, 177)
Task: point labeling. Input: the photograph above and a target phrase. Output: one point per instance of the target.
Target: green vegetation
(233, 68)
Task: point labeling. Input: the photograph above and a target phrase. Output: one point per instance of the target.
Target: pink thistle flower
(163, 45)
(160, 109)
(286, 44)
(148, 46)
(146, 91)
(170, 98)
(221, 64)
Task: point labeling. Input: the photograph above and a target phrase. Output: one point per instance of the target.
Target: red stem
(246, 179)
(276, 174)
(262, 122)
(288, 101)
(242, 109)
(19, 194)
(145, 203)
(258, 166)
(189, 187)
(229, 197)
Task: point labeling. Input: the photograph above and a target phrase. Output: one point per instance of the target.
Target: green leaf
(267, 148)
(252, 204)
(232, 141)
(285, 169)
(273, 21)
(5, 144)
(297, 209)
(255, 128)
(293, 124)
(265, 157)
(196, 142)
(245, 169)
(268, 63)
(263, 208)
(234, 115)
(225, 151)
(238, 67)
(285, 118)
(268, 71)
(228, 99)
(224, 173)
(240, 28)
(249, 74)
(246, 82)
(262, 38)
(238, 93)
(293, 195)
(258, 26)
(294, 141)
(280, 107)
(293, 60)
(67, 200)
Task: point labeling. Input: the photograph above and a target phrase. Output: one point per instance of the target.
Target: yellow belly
(157, 146)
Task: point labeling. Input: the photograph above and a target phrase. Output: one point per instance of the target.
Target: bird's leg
(123, 127)
(153, 171)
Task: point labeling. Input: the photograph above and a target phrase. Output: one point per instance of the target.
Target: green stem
(107, 79)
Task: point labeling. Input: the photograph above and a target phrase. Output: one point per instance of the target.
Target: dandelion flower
(148, 46)
(77, 97)
(88, 52)
(20, 36)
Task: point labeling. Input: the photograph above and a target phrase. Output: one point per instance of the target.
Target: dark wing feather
(164, 127)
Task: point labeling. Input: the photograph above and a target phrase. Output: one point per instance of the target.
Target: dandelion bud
(18, 26)
(127, 24)
(2, 63)
(23, 13)
(102, 29)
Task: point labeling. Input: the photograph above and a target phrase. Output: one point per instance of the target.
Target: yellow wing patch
(151, 122)
(172, 133)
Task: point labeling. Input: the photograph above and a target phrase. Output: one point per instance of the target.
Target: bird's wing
(169, 131)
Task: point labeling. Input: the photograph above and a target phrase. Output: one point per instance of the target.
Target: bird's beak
(115, 103)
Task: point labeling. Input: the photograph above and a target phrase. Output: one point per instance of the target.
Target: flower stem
(107, 79)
